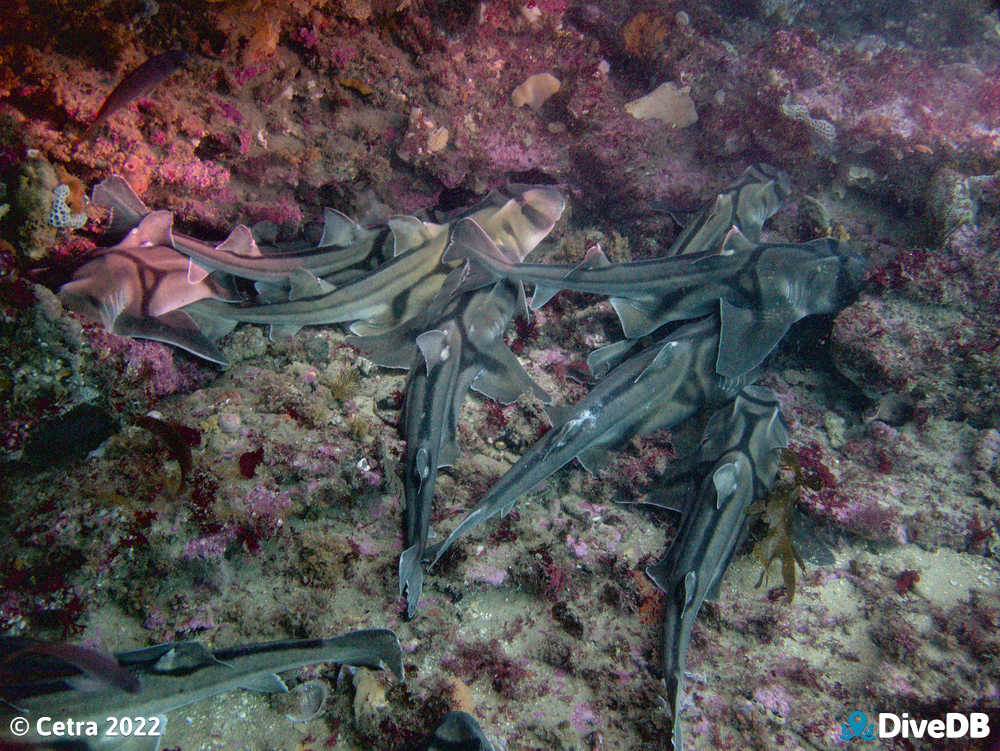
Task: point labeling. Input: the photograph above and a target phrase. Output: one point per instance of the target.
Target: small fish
(171, 436)
(741, 442)
(177, 674)
(659, 387)
(136, 84)
(458, 731)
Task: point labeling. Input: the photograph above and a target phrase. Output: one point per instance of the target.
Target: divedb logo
(973, 725)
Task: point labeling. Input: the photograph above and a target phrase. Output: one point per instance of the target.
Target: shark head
(138, 287)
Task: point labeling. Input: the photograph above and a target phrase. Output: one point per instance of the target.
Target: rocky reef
(544, 627)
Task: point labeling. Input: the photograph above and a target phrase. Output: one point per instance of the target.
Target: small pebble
(230, 422)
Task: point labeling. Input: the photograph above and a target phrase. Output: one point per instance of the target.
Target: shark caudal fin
(127, 209)
(411, 578)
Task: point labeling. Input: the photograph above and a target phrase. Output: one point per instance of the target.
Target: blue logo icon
(857, 727)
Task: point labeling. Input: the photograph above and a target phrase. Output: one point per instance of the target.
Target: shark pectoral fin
(411, 577)
(212, 326)
(280, 332)
(380, 323)
(675, 497)
(393, 349)
(196, 273)
(746, 337)
(434, 347)
(339, 230)
(469, 240)
(715, 590)
(269, 292)
(604, 359)
(596, 458)
(175, 327)
(240, 242)
(504, 379)
(636, 320)
(303, 283)
(269, 683)
(542, 294)
(127, 209)
(659, 573)
(448, 453)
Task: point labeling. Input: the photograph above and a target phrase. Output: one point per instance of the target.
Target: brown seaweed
(778, 511)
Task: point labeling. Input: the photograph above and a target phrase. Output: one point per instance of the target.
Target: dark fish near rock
(458, 731)
(136, 84)
(69, 436)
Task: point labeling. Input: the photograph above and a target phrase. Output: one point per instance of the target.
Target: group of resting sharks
(698, 323)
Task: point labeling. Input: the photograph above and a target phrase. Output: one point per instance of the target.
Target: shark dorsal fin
(735, 241)
(408, 232)
(303, 283)
(339, 230)
(595, 259)
(240, 242)
(504, 379)
(268, 683)
(636, 321)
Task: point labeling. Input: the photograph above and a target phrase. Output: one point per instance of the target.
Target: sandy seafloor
(543, 626)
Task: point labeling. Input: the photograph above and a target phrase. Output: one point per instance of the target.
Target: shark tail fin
(411, 578)
(127, 209)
